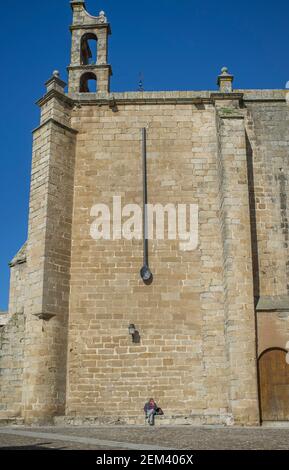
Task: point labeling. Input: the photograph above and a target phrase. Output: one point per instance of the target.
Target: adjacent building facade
(214, 324)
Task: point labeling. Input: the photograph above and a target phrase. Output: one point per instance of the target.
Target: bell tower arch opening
(89, 51)
(88, 83)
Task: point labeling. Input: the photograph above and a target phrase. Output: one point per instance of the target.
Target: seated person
(151, 410)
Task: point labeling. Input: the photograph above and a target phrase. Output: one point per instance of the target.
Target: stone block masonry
(11, 366)
(171, 314)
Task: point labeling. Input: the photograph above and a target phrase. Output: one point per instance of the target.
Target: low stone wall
(11, 366)
(165, 420)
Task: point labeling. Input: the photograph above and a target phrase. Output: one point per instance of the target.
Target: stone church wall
(268, 135)
(185, 358)
(66, 349)
(12, 337)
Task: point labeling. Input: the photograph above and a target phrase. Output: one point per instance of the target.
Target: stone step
(95, 421)
(11, 421)
(275, 424)
(139, 420)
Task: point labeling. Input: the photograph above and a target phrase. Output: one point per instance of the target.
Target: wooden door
(274, 385)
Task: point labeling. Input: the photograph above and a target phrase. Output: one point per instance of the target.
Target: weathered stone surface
(4, 316)
(11, 366)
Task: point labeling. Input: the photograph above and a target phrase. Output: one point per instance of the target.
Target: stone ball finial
(224, 70)
(56, 74)
(102, 16)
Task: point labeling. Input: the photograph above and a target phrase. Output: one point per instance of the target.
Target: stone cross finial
(225, 81)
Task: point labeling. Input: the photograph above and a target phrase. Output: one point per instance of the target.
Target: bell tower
(89, 70)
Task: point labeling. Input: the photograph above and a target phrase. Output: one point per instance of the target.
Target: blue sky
(176, 44)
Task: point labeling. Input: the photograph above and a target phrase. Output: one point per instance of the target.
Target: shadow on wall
(253, 223)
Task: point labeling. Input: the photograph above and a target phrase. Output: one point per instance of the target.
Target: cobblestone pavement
(142, 438)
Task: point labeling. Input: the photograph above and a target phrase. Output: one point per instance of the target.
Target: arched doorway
(274, 385)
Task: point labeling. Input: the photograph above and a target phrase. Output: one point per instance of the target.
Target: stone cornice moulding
(93, 99)
(174, 97)
(227, 96)
(271, 303)
(55, 94)
(91, 26)
(90, 67)
(44, 316)
(20, 257)
(57, 123)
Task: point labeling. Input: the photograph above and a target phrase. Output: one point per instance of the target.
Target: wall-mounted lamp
(134, 333)
(131, 329)
(146, 273)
